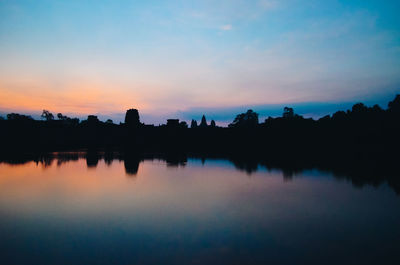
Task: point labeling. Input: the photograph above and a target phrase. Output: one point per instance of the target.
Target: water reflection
(358, 175)
(131, 164)
(92, 159)
(84, 208)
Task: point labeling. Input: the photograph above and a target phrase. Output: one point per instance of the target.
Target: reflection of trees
(359, 173)
(108, 158)
(64, 158)
(287, 174)
(46, 161)
(175, 160)
(245, 165)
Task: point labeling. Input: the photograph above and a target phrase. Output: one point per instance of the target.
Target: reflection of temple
(131, 164)
(92, 159)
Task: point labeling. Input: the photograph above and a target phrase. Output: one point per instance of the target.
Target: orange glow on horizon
(81, 98)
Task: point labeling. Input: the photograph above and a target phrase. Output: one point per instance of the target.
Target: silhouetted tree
(18, 117)
(73, 121)
(47, 115)
(132, 119)
(212, 124)
(109, 121)
(203, 122)
(92, 119)
(193, 124)
(61, 117)
(394, 106)
(339, 115)
(67, 120)
(288, 112)
(268, 120)
(1, 118)
(326, 118)
(377, 109)
(183, 124)
(359, 108)
(248, 119)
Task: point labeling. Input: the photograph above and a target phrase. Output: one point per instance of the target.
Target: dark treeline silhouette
(368, 134)
(358, 174)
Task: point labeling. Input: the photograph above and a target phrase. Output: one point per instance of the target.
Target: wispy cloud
(226, 27)
(268, 4)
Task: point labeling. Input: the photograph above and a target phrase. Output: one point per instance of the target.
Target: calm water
(85, 212)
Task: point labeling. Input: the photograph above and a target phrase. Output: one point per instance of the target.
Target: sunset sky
(185, 58)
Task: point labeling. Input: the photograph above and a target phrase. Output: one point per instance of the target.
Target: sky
(181, 58)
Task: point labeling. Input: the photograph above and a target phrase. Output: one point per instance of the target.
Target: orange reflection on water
(212, 207)
(74, 188)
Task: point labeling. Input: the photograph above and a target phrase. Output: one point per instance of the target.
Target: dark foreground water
(193, 212)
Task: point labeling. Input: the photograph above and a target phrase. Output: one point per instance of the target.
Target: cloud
(226, 27)
(268, 4)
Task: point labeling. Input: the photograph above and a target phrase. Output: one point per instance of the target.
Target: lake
(78, 209)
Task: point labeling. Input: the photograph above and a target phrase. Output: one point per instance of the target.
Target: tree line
(360, 132)
(248, 119)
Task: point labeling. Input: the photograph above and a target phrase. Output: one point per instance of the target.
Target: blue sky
(183, 58)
